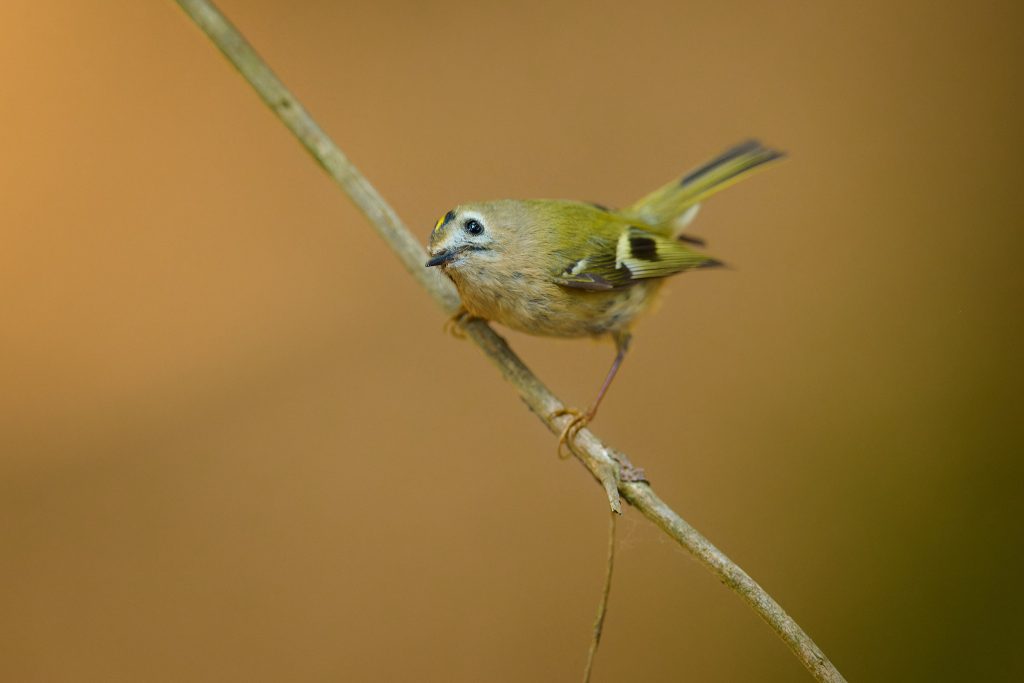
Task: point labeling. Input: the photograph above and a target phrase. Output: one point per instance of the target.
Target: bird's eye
(474, 227)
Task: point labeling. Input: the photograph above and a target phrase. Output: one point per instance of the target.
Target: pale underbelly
(562, 312)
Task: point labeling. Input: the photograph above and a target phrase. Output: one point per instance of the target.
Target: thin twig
(602, 606)
(602, 462)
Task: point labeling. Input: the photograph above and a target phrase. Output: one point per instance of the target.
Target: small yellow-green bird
(572, 269)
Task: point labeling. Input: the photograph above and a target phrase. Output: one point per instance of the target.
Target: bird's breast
(530, 303)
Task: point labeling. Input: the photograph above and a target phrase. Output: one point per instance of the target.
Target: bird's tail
(676, 203)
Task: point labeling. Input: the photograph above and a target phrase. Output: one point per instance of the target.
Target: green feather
(610, 260)
(670, 202)
(605, 250)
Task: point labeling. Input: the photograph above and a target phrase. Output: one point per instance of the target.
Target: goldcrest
(572, 269)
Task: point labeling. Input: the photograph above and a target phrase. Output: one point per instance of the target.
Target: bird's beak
(443, 256)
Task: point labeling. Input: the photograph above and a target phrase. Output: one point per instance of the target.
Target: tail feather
(675, 203)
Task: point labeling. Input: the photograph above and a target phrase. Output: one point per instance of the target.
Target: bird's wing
(618, 254)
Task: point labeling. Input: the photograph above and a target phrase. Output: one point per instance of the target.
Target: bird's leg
(581, 420)
(453, 325)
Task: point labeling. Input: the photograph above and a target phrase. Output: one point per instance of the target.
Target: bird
(564, 268)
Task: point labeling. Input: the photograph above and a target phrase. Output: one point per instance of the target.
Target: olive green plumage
(571, 269)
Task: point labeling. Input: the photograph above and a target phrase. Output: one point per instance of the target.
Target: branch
(608, 466)
(602, 605)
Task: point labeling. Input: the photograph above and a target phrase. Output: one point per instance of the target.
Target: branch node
(628, 472)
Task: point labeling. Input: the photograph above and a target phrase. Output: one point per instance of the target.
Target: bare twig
(602, 606)
(602, 462)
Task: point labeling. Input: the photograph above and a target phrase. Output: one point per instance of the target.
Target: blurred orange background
(237, 446)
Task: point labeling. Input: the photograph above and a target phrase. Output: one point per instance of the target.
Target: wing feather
(634, 254)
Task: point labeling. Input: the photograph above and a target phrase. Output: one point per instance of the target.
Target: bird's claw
(453, 325)
(567, 438)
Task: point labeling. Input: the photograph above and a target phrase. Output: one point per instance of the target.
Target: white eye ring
(473, 227)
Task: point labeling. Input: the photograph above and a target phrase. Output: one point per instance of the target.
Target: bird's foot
(453, 325)
(566, 440)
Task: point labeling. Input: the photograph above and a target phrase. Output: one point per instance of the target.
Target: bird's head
(468, 234)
